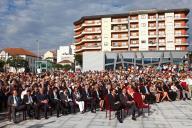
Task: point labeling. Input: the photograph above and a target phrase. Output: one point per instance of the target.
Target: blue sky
(23, 22)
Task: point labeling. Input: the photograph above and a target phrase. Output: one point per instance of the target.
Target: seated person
(88, 98)
(128, 102)
(115, 105)
(42, 102)
(97, 94)
(55, 100)
(78, 99)
(30, 104)
(66, 101)
(15, 102)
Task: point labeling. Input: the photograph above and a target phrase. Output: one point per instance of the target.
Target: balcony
(87, 25)
(122, 38)
(181, 26)
(87, 32)
(161, 35)
(181, 43)
(152, 44)
(152, 35)
(161, 27)
(161, 18)
(162, 43)
(119, 28)
(88, 40)
(152, 19)
(152, 27)
(119, 21)
(93, 47)
(134, 44)
(134, 36)
(180, 18)
(134, 19)
(134, 28)
(181, 35)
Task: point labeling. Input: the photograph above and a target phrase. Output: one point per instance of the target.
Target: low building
(65, 53)
(51, 56)
(27, 55)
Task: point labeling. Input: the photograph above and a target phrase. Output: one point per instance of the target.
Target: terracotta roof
(19, 51)
(65, 61)
(130, 13)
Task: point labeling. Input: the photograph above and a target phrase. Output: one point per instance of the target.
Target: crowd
(65, 91)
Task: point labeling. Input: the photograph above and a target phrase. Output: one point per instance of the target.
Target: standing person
(16, 104)
(115, 105)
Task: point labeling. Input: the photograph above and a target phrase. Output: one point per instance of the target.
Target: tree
(79, 59)
(67, 67)
(2, 63)
(18, 62)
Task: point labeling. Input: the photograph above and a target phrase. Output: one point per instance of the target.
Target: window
(89, 21)
(178, 40)
(124, 35)
(143, 16)
(162, 48)
(177, 15)
(133, 26)
(169, 41)
(124, 43)
(177, 32)
(152, 33)
(161, 24)
(143, 25)
(161, 40)
(161, 16)
(115, 44)
(143, 41)
(177, 48)
(134, 34)
(134, 42)
(115, 36)
(105, 43)
(89, 37)
(177, 24)
(89, 29)
(161, 33)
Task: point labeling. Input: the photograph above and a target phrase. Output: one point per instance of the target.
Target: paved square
(176, 114)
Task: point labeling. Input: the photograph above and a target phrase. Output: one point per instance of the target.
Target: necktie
(16, 101)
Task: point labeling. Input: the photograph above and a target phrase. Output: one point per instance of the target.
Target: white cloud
(22, 22)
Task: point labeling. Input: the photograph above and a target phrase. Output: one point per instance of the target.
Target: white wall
(93, 61)
(143, 32)
(106, 34)
(169, 31)
(65, 53)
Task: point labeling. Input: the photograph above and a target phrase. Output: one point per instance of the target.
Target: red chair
(108, 107)
(139, 102)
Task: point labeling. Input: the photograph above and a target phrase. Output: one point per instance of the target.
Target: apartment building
(142, 30)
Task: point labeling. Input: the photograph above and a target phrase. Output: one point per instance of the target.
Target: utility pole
(37, 48)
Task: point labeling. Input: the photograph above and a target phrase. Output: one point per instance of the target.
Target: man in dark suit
(55, 100)
(145, 91)
(42, 102)
(16, 104)
(128, 102)
(88, 98)
(67, 101)
(30, 104)
(115, 104)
